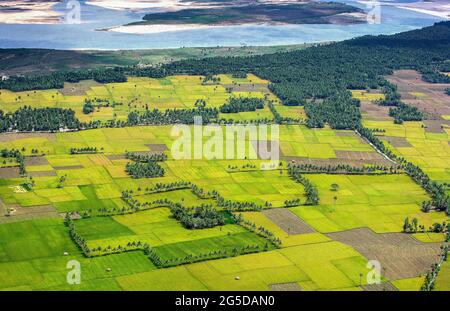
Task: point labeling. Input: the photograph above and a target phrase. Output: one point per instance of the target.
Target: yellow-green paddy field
(319, 249)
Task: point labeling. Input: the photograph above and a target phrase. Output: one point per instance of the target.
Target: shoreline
(162, 28)
(158, 28)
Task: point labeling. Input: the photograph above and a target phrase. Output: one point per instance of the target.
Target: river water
(86, 36)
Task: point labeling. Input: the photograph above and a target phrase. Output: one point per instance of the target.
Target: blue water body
(86, 35)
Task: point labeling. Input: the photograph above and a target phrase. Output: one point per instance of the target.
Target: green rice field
(36, 241)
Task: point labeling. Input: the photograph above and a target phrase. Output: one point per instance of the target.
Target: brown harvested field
(285, 287)
(157, 147)
(364, 156)
(36, 161)
(247, 87)
(435, 126)
(427, 97)
(372, 111)
(388, 287)
(25, 213)
(400, 255)
(9, 172)
(8, 137)
(42, 173)
(396, 141)
(77, 89)
(287, 221)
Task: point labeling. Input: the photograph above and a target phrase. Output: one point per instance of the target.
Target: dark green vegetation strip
(28, 119)
(306, 13)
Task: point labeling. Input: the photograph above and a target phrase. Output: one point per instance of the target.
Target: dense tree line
(276, 115)
(312, 195)
(144, 158)
(431, 276)
(75, 236)
(292, 203)
(346, 169)
(240, 206)
(171, 116)
(84, 150)
(106, 250)
(198, 217)
(240, 104)
(56, 80)
(38, 119)
(161, 187)
(259, 230)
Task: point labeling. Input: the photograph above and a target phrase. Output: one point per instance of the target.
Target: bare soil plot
(42, 173)
(288, 221)
(157, 147)
(9, 172)
(365, 156)
(36, 161)
(435, 126)
(432, 100)
(396, 141)
(79, 88)
(372, 111)
(257, 87)
(7, 137)
(285, 287)
(25, 213)
(400, 255)
(388, 287)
